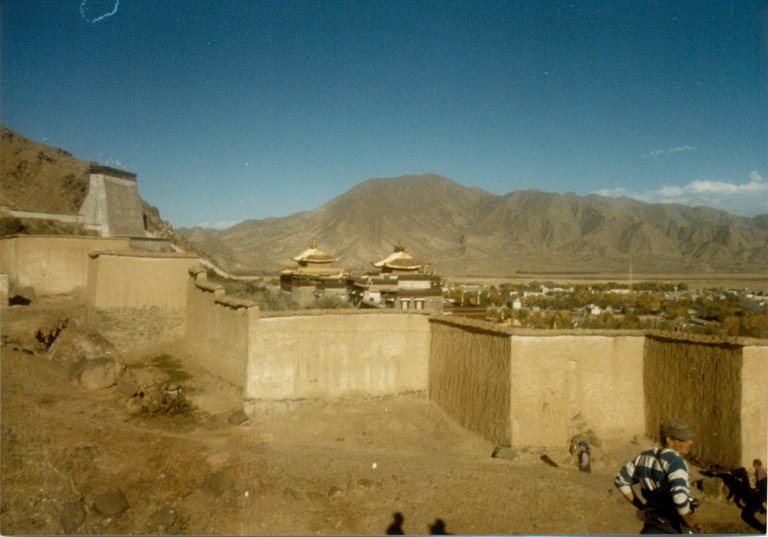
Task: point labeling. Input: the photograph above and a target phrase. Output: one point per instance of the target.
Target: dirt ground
(78, 461)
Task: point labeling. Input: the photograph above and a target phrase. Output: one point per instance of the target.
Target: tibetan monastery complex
(401, 282)
(314, 277)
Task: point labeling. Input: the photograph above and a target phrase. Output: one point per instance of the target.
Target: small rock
(288, 492)
(111, 503)
(72, 515)
(364, 483)
(549, 461)
(164, 517)
(239, 418)
(503, 452)
(218, 483)
(335, 491)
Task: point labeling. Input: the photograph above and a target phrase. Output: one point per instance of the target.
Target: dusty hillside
(467, 231)
(38, 177)
(80, 462)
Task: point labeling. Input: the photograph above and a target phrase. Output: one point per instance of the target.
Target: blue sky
(229, 110)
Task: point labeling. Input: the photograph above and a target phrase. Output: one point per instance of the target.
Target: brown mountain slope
(467, 231)
(462, 231)
(38, 177)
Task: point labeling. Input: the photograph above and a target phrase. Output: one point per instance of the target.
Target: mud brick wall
(705, 382)
(217, 329)
(518, 388)
(131, 329)
(754, 404)
(52, 265)
(328, 355)
(563, 384)
(469, 377)
(137, 300)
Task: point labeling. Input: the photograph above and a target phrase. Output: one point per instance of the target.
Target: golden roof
(399, 260)
(314, 255)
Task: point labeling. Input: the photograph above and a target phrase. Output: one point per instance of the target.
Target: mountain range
(459, 230)
(469, 231)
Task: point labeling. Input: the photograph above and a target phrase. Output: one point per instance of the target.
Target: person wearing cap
(662, 473)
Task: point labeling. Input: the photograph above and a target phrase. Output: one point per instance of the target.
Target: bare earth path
(301, 467)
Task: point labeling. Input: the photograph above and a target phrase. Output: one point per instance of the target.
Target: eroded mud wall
(754, 404)
(469, 377)
(52, 264)
(217, 329)
(336, 354)
(138, 300)
(700, 381)
(562, 385)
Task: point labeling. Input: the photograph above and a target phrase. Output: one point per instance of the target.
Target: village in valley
(403, 282)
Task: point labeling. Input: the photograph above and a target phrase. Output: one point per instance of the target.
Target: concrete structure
(112, 206)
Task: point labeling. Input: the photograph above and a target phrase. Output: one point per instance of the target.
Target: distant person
(760, 474)
(438, 528)
(396, 528)
(757, 498)
(585, 457)
(667, 506)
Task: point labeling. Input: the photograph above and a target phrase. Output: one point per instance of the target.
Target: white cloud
(681, 149)
(747, 199)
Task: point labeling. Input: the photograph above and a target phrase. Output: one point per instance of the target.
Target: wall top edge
(707, 340)
(236, 303)
(143, 254)
(113, 172)
(22, 212)
(506, 331)
(341, 311)
(63, 237)
(205, 285)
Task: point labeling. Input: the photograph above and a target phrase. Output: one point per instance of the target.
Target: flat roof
(113, 172)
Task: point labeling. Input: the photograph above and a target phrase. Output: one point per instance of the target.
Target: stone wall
(52, 265)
